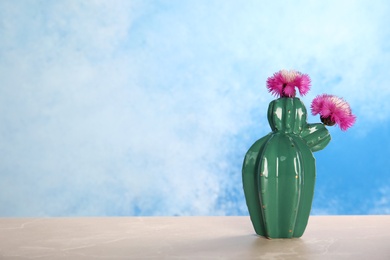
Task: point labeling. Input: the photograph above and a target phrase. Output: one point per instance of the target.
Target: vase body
(279, 171)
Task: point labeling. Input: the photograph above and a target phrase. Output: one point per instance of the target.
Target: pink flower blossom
(284, 82)
(333, 110)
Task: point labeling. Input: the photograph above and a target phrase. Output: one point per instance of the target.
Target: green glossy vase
(279, 171)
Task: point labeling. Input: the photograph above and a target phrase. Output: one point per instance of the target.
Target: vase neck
(287, 115)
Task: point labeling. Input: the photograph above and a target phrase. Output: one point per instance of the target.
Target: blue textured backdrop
(148, 107)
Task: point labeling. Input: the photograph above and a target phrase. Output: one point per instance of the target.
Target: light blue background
(111, 108)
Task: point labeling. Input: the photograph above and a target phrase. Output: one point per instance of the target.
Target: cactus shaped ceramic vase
(279, 170)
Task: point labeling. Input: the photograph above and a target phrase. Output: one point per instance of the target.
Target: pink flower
(333, 110)
(283, 83)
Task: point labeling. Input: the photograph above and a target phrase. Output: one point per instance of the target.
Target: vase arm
(316, 136)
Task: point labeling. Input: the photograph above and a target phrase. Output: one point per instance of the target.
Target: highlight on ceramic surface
(279, 169)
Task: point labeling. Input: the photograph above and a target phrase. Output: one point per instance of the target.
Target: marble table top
(326, 237)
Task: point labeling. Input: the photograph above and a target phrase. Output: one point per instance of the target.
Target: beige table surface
(326, 237)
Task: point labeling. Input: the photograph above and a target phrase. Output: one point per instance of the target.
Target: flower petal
(334, 108)
(284, 82)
